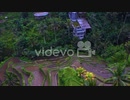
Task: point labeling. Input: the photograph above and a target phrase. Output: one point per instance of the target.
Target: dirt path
(26, 79)
(38, 78)
(46, 83)
(54, 78)
(99, 83)
(98, 69)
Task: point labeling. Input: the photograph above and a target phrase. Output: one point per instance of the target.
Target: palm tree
(119, 77)
(11, 80)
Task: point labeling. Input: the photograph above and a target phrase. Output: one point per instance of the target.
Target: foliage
(30, 74)
(127, 48)
(68, 77)
(3, 62)
(119, 77)
(115, 55)
(80, 71)
(79, 77)
(25, 59)
(20, 75)
(21, 34)
(7, 43)
(11, 80)
(107, 28)
(89, 77)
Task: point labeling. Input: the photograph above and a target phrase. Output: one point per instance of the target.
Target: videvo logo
(83, 50)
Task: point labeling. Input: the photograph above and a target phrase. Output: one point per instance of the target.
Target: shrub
(68, 77)
(115, 55)
(11, 79)
(88, 77)
(119, 77)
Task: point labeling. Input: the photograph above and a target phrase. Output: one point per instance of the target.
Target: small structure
(2, 21)
(40, 15)
(73, 16)
(79, 23)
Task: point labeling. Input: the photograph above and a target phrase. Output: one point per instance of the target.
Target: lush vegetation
(119, 78)
(21, 34)
(11, 80)
(80, 77)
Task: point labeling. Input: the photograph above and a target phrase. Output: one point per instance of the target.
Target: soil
(32, 68)
(46, 81)
(38, 78)
(98, 68)
(54, 78)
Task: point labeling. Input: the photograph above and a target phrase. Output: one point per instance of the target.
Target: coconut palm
(119, 77)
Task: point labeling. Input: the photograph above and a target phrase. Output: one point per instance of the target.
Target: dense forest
(21, 34)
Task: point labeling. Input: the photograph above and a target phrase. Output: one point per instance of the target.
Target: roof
(83, 23)
(39, 14)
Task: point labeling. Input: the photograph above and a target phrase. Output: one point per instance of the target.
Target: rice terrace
(64, 48)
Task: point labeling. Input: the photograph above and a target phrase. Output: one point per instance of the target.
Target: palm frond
(111, 71)
(122, 83)
(111, 79)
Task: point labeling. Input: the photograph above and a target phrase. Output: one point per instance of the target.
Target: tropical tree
(11, 80)
(119, 77)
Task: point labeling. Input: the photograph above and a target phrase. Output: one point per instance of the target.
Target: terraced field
(35, 73)
(45, 72)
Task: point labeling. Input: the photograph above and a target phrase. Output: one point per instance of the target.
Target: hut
(79, 23)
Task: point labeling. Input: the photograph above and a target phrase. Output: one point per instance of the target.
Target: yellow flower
(91, 73)
(86, 78)
(92, 78)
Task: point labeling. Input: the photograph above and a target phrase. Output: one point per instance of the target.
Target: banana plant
(119, 77)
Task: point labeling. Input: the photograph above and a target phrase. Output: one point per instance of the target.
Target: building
(40, 15)
(79, 23)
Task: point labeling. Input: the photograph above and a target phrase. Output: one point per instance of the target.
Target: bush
(68, 77)
(115, 55)
(11, 79)
(79, 77)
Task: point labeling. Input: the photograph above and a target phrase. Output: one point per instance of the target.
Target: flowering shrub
(89, 77)
(80, 71)
(68, 76)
